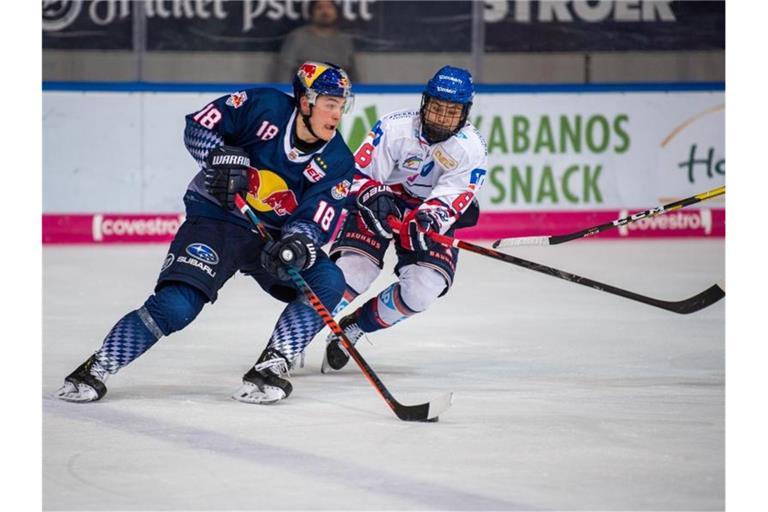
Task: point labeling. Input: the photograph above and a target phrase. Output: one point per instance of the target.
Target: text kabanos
(576, 142)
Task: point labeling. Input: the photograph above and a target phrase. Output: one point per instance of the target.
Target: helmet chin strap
(307, 124)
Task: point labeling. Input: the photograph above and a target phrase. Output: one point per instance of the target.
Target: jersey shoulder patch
(261, 99)
(466, 146)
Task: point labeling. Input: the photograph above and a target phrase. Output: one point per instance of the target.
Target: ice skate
(336, 356)
(85, 384)
(263, 384)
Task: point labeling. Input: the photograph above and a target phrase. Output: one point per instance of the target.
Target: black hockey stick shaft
(685, 306)
(421, 412)
(651, 212)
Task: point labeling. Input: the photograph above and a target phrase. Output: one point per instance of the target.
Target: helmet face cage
(449, 84)
(315, 79)
(434, 133)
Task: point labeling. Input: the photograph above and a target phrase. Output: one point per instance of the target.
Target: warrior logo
(203, 253)
(231, 160)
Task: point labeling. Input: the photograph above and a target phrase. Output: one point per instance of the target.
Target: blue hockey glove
(226, 174)
(296, 250)
(376, 203)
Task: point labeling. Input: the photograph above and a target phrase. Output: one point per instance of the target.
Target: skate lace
(278, 366)
(98, 371)
(354, 333)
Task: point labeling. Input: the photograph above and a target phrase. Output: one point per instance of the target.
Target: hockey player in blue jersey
(285, 156)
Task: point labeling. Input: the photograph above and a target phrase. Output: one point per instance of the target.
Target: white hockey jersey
(448, 174)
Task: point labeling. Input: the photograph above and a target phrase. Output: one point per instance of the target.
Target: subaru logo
(203, 253)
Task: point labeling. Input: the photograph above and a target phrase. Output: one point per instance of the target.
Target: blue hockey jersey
(294, 190)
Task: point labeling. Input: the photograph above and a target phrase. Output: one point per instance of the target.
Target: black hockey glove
(226, 174)
(296, 250)
(376, 202)
(413, 232)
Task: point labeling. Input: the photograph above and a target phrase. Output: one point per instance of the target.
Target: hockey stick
(652, 212)
(685, 306)
(422, 412)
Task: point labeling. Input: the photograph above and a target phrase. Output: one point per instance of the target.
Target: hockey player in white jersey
(424, 167)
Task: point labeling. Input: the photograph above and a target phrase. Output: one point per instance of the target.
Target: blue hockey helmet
(315, 79)
(453, 85)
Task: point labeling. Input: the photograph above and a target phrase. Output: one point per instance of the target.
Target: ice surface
(565, 397)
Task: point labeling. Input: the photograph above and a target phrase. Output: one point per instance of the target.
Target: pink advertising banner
(105, 228)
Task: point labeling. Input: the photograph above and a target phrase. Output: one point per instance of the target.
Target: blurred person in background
(285, 156)
(320, 40)
(424, 167)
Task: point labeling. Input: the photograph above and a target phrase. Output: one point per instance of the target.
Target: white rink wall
(549, 150)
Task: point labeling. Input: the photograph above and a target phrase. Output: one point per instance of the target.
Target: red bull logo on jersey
(282, 202)
(269, 192)
(236, 99)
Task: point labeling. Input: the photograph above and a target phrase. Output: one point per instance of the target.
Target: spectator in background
(320, 41)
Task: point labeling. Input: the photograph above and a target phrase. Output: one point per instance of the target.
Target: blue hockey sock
(171, 309)
(295, 328)
(346, 299)
(131, 336)
(384, 310)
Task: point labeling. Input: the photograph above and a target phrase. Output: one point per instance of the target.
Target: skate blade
(325, 367)
(80, 393)
(250, 393)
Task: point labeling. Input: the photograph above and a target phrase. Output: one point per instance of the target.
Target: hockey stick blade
(424, 412)
(421, 412)
(652, 212)
(700, 301)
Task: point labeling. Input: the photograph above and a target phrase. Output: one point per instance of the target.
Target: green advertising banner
(571, 151)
